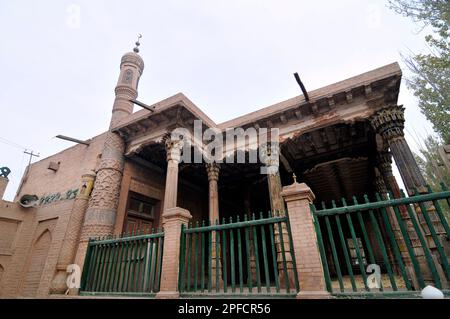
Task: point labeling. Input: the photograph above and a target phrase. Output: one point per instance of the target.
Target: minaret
(101, 213)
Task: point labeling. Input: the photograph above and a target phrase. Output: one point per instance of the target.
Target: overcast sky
(60, 60)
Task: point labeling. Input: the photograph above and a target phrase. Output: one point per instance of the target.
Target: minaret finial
(136, 48)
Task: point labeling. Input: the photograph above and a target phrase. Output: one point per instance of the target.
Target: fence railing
(239, 257)
(388, 233)
(127, 265)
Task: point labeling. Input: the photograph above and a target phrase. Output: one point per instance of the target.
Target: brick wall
(73, 162)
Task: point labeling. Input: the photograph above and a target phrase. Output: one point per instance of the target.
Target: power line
(11, 143)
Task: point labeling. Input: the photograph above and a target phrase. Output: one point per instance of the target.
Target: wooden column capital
(212, 169)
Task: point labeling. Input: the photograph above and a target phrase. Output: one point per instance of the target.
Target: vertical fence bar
(148, 269)
(323, 256)
(379, 238)
(255, 244)
(408, 244)
(217, 258)
(102, 267)
(366, 238)
(274, 255)
(224, 258)
(142, 262)
(333, 251)
(119, 267)
(189, 252)
(181, 280)
(357, 249)
(137, 264)
(292, 252)
(116, 247)
(241, 275)
(247, 250)
(202, 281)
(232, 261)
(394, 244)
(133, 265)
(264, 251)
(195, 253)
(89, 263)
(283, 257)
(434, 236)
(124, 282)
(425, 248)
(158, 269)
(98, 278)
(210, 250)
(344, 247)
(440, 214)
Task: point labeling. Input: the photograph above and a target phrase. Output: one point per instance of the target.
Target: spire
(136, 48)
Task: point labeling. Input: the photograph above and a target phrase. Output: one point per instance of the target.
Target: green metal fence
(123, 266)
(387, 233)
(238, 258)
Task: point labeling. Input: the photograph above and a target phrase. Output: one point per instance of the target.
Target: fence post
(173, 218)
(309, 265)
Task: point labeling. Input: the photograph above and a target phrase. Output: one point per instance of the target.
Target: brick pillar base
(309, 265)
(173, 218)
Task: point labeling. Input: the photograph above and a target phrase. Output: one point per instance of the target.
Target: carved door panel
(137, 225)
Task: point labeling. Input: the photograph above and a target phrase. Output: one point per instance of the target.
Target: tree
(430, 78)
(433, 169)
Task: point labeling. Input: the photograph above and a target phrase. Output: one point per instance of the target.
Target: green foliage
(431, 164)
(430, 78)
(433, 169)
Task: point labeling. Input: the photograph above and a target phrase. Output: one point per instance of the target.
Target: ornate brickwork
(101, 213)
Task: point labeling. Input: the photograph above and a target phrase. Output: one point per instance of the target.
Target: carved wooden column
(248, 212)
(278, 208)
(212, 170)
(389, 123)
(173, 150)
(381, 189)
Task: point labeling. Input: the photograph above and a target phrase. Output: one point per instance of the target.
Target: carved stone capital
(389, 122)
(212, 169)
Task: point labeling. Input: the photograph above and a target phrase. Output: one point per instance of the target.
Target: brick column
(69, 246)
(100, 217)
(172, 219)
(309, 265)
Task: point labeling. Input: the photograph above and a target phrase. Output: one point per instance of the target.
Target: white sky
(230, 57)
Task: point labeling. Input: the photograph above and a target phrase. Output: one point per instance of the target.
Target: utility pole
(31, 155)
(25, 174)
